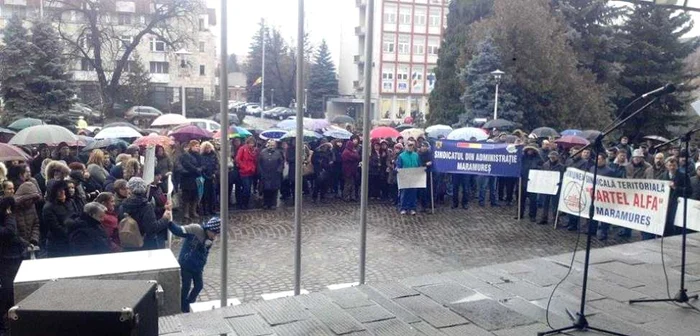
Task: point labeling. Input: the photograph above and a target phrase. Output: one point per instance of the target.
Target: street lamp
(184, 71)
(498, 74)
(306, 99)
(272, 100)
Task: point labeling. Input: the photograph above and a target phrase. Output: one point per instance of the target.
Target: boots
(193, 210)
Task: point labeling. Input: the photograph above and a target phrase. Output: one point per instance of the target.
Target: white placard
(408, 178)
(149, 165)
(635, 204)
(543, 182)
(693, 214)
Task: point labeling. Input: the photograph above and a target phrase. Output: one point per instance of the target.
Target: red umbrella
(568, 141)
(384, 132)
(12, 153)
(190, 132)
(154, 140)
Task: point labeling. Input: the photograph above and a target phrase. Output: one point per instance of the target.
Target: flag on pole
(258, 81)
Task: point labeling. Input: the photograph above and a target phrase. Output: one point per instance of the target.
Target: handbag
(129, 233)
(200, 187)
(308, 169)
(285, 170)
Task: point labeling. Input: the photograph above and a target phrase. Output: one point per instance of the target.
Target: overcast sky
(323, 21)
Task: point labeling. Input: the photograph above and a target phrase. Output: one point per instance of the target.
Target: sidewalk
(505, 299)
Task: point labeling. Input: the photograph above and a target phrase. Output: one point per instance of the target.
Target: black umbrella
(655, 138)
(104, 143)
(590, 135)
(403, 127)
(499, 123)
(545, 132)
(343, 119)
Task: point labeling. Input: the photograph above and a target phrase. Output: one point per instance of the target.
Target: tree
(233, 65)
(15, 71)
(445, 104)
(136, 83)
(254, 65)
(654, 55)
(50, 81)
(479, 95)
(98, 39)
(322, 80)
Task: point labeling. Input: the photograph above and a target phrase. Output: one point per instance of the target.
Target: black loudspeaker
(88, 307)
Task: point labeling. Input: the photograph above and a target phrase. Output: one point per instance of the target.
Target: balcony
(359, 59)
(360, 3)
(162, 78)
(360, 31)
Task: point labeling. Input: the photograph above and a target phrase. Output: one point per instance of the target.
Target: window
(202, 26)
(390, 15)
(419, 45)
(160, 67)
(405, 16)
(130, 66)
(87, 64)
(419, 19)
(433, 46)
(201, 46)
(201, 70)
(9, 11)
(158, 45)
(402, 74)
(389, 42)
(404, 44)
(126, 41)
(124, 18)
(435, 16)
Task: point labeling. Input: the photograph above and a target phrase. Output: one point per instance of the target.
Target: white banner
(543, 182)
(149, 165)
(408, 178)
(635, 204)
(693, 214)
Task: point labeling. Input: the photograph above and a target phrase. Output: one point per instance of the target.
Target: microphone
(666, 89)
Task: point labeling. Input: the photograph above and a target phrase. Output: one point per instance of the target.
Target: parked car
(209, 125)
(142, 112)
(253, 109)
(281, 113)
(271, 113)
(81, 110)
(232, 118)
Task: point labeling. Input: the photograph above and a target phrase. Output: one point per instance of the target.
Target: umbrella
(154, 140)
(272, 134)
(544, 132)
(338, 134)
(403, 127)
(6, 134)
(238, 132)
(106, 142)
(287, 125)
(315, 124)
(117, 132)
(12, 153)
(590, 135)
(436, 131)
(51, 135)
(23, 123)
(498, 123)
(571, 132)
(84, 140)
(124, 124)
(343, 119)
(384, 132)
(413, 133)
(655, 138)
(190, 132)
(568, 141)
(310, 135)
(467, 133)
(169, 119)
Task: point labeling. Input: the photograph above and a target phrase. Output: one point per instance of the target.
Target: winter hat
(27, 190)
(638, 153)
(553, 154)
(213, 225)
(137, 185)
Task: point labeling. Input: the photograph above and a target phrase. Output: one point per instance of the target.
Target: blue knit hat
(213, 225)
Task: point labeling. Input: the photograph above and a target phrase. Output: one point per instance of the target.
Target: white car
(209, 125)
(253, 110)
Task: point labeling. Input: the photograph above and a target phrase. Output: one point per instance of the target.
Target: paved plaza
(261, 245)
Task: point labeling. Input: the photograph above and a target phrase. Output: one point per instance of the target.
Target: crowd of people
(67, 202)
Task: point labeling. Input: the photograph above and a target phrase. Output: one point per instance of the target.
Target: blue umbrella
(337, 134)
(238, 132)
(571, 132)
(272, 134)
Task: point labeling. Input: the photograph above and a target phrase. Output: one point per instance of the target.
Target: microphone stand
(580, 322)
(682, 296)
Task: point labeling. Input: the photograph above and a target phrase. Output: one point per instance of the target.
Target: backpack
(129, 233)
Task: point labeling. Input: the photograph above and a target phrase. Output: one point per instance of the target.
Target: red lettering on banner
(646, 201)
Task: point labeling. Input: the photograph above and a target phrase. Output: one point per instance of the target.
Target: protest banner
(493, 159)
(635, 204)
(149, 166)
(543, 182)
(408, 178)
(693, 214)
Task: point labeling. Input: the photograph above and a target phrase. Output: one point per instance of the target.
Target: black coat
(11, 246)
(270, 166)
(530, 162)
(323, 161)
(86, 235)
(191, 170)
(54, 216)
(210, 164)
(138, 207)
(695, 185)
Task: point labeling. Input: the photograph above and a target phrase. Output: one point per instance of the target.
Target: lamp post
(184, 71)
(272, 99)
(306, 99)
(498, 74)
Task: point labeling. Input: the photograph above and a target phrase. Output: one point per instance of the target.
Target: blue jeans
(246, 183)
(465, 182)
(484, 182)
(408, 199)
(187, 296)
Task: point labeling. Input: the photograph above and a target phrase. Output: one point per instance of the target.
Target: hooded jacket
(54, 216)
(25, 214)
(195, 248)
(86, 236)
(247, 161)
(142, 211)
(351, 158)
(51, 168)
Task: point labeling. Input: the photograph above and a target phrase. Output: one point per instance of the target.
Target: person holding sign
(695, 183)
(680, 187)
(553, 164)
(582, 161)
(408, 159)
(636, 170)
(531, 160)
(603, 170)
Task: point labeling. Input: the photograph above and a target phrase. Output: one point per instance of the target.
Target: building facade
(192, 66)
(407, 37)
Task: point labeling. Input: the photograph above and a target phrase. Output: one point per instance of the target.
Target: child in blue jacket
(193, 256)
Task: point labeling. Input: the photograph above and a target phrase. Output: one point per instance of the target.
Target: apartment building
(407, 36)
(192, 66)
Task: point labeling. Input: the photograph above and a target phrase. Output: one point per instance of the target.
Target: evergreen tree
(479, 95)
(50, 82)
(136, 83)
(654, 56)
(322, 80)
(233, 65)
(15, 71)
(445, 105)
